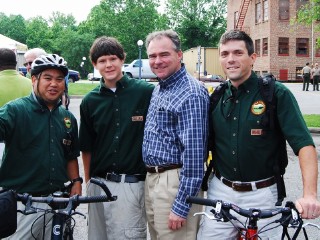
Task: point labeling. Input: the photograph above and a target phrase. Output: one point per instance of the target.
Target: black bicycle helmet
(50, 61)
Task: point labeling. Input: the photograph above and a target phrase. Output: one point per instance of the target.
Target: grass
(81, 88)
(312, 120)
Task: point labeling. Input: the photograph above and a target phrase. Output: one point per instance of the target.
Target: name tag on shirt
(137, 118)
(256, 132)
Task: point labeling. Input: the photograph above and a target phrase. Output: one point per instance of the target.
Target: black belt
(161, 169)
(246, 186)
(113, 177)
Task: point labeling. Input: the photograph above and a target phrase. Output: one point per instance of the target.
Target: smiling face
(235, 61)
(110, 68)
(164, 60)
(49, 85)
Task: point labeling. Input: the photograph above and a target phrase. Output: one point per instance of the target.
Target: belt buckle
(156, 168)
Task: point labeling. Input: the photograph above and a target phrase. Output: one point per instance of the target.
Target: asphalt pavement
(309, 103)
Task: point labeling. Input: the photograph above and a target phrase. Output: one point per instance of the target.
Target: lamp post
(82, 66)
(140, 43)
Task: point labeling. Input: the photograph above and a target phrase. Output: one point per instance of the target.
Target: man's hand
(308, 207)
(76, 188)
(175, 222)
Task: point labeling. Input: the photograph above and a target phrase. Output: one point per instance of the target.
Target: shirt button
(234, 134)
(235, 118)
(118, 124)
(237, 101)
(248, 91)
(233, 152)
(117, 137)
(115, 96)
(50, 183)
(117, 109)
(52, 154)
(52, 169)
(234, 169)
(52, 140)
(115, 150)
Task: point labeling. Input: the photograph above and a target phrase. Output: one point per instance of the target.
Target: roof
(10, 43)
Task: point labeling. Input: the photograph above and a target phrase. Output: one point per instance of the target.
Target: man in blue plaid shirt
(174, 145)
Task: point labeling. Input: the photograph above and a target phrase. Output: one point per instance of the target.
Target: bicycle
(290, 218)
(62, 208)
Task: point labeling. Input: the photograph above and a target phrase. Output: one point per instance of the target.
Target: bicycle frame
(221, 212)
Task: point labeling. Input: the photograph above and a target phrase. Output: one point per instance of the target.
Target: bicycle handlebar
(252, 212)
(72, 202)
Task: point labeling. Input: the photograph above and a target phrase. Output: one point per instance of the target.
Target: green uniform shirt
(35, 160)
(112, 126)
(243, 150)
(13, 85)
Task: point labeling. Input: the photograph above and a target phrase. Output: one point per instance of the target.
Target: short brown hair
(106, 46)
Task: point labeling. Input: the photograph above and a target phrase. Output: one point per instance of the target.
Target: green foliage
(13, 27)
(312, 120)
(309, 13)
(198, 22)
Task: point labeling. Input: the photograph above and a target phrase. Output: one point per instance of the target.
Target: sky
(31, 8)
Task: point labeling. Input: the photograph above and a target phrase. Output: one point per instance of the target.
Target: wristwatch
(78, 179)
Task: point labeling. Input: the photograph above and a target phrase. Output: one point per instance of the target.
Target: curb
(314, 130)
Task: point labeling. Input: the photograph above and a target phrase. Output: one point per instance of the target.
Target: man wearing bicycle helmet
(41, 143)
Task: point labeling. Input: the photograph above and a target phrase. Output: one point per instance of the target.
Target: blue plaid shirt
(176, 132)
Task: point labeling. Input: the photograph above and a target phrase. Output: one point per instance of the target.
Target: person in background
(31, 55)
(174, 143)
(245, 152)
(41, 144)
(12, 84)
(111, 131)
(306, 71)
(315, 73)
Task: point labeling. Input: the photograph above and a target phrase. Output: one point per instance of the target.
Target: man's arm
(86, 158)
(73, 173)
(308, 205)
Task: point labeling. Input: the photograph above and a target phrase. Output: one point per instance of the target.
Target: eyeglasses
(27, 63)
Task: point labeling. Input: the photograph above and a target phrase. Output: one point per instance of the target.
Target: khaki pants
(28, 227)
(160, 191)
(119, 220)
(264, 198)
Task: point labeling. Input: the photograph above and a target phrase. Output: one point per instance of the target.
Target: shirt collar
(170, 81)
(122, 83)
(249, 85)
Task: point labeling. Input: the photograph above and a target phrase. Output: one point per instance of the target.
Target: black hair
(239, 36)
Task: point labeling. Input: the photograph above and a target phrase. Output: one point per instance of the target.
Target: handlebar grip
(94, 199)
(201, 201)
(102, 185)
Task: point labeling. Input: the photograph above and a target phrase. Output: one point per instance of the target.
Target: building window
(236, 16)
(284, 9)
(300, 3)
(265, 10)
(283, 46)
(257, 47)
(317, 51)
(265, 46)
(302, 46)
(258, 13)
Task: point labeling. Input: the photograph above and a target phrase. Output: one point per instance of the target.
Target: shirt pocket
(166, 121)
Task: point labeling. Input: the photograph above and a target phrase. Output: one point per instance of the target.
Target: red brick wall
(272, 29)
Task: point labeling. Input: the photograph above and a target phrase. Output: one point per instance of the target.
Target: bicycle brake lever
(79, 213)
(211, 217)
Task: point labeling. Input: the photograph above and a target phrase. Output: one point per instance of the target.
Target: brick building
(283, 48)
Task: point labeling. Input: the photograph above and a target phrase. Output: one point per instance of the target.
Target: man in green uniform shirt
(34, 128)
(111, 131)
(244, 153)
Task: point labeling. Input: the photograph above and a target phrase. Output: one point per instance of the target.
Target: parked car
(22, 70)
(132, 70)
(212, 78)
(73, 75)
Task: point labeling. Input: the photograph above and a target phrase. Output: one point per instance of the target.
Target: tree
(198, 22)
(13, 27)
(126, 20)
(308, 14)
(38, 34)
